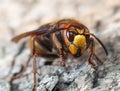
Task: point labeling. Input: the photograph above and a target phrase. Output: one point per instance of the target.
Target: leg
(10, 71)
(60, 49)
(62, 57)
(91, 52)
(27, 63)
(21, 73)
(98, 59)
(34, 63)
(35, 71)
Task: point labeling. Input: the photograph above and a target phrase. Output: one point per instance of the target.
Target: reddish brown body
(59, 38)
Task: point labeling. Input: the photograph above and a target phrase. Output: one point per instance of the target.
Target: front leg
(61, 54)
(92, 48)
(60, 49)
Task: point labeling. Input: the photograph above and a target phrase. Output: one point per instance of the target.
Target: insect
(61, 38)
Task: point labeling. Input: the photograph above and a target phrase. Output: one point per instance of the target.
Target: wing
(41, 30)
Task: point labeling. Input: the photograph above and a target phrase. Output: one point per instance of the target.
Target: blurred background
(18, 16)
(102, 17)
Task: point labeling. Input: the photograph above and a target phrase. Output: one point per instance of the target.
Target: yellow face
(77, 43)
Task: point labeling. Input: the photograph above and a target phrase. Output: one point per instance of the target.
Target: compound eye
(70, 35)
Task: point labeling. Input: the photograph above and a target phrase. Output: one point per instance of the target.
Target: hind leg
(21, 72)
